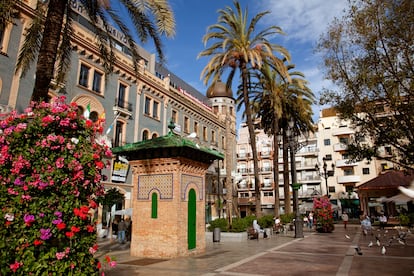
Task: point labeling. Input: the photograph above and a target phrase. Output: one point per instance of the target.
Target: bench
(252, 234)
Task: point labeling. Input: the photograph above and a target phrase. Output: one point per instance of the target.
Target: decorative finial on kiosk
(171, 126)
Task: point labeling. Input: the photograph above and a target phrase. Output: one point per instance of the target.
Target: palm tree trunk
(48, 49)
(276, 166)
(252, 137)
(286, 186)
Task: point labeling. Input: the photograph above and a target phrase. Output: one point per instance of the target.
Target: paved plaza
(315, 254)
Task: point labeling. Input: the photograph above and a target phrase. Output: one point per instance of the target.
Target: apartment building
(136, 106)
(305, 160)
(323, 167)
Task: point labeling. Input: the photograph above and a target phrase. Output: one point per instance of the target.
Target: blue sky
(303, 21)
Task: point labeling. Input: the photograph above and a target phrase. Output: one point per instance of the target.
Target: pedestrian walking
(345, 219)
(310, 219)
(121, 231)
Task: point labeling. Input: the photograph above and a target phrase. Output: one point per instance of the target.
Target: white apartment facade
(327, 145)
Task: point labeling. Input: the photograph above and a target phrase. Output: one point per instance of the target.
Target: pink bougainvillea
(50, 169)
(323, 214)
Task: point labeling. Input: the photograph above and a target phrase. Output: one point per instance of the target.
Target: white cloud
(303, 20)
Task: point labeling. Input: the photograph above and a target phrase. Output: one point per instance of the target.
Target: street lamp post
(325, 173)
(294, 146)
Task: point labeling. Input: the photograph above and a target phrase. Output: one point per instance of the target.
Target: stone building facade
(136, 106)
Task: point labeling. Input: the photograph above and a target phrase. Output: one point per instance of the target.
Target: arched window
(154, 205)
(93, 116)
(154, 135)
(145, 135)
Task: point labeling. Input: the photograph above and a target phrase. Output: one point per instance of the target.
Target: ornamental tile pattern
(186, 181)
(163, 183)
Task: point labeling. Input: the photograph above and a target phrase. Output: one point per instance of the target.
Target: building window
(155, 109)
(145, 135)
(147, 106)
(213, 136)
(122, 95)
(328, 157)
(331, 189)
(83, 75)
(268, 194)
(154, 205)
(344, 140)
(349, 171)
(327, 142)
(205, 133)
(97, 82)
(119, 130)
(90, 78)
(94, 116)
(388, 150)
(151, 107)
(365, 170)
(186, 125)
(195, 128)
(5, 37)
(174, 116)
(223, 142)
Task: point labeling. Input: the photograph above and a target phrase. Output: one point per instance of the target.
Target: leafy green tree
(369, 55)
(237, 45)
(47, 41)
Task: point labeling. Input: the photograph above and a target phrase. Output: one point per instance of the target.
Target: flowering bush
(323, 214)
(50, 173)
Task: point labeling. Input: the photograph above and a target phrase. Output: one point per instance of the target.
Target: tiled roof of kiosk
(170, 145)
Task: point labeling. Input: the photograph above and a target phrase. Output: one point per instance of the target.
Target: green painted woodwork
(191, 234)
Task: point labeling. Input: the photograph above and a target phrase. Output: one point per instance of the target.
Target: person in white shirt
(383, 221)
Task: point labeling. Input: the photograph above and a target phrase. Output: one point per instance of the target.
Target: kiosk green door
(191, 234)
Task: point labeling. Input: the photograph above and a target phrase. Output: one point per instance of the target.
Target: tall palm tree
(270, 112)
(238, 46)
(282, 95)
(48, 38)
(297, 106)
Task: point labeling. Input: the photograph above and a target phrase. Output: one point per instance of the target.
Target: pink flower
(28, 219)
(15, 266)
(26, 197)
(112, 263)
(45, 234)
(60, 162)
(60, 255)
(92, 250)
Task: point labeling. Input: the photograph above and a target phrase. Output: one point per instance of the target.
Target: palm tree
(282, 95)
(48, 38)
(297, 106)
(236, 46)
(270, 112)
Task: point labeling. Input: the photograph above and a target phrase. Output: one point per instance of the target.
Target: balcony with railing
(243, 156)
(340, 147)
(265, 154)
(266, 169)
(348, 179)
(306, 151)
(123, 107)
(310, 179)
(345, 163)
